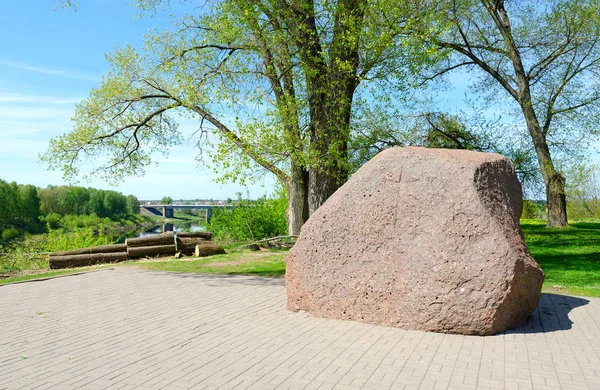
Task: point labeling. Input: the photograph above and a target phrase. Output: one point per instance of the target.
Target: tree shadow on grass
(588, 262)
(551, 314)
(581, 234)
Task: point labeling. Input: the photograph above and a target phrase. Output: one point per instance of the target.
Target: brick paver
(132, 329)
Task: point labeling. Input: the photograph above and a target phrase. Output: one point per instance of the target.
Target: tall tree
(287, 71)
(30, 203)
(545, 56)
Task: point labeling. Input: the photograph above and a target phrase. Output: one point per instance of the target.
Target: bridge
(166, 210)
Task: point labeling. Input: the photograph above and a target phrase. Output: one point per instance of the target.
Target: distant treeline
(72, 200)
(23, 204)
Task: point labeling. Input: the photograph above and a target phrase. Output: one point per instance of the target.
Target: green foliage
(583, 191)
(250, 220)
(132, 205)
(166, 200)
(20, 203)
(376, 129)
(10, 234)
(31, 253)
(62, 240)
(72, 200)
(533, 209)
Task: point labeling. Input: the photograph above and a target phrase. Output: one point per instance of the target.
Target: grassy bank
(29, 254)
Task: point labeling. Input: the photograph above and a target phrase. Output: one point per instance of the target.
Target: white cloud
(9, 98)
(66, 73)
(36, 112)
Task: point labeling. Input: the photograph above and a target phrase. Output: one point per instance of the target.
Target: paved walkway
(126, 329)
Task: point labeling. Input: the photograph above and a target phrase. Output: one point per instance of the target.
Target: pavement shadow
(551, 314)
(226, 280)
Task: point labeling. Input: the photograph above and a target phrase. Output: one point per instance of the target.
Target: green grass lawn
(235, 262)
(570, 257)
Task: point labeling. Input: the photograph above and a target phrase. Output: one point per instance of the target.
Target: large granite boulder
(423, 239)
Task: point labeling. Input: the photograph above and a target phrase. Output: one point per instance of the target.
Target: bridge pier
(168, 212)
(208, 215)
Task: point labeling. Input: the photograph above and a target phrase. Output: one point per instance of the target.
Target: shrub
(250, 220)
(52, 220)
(533, 209)
(10, 234)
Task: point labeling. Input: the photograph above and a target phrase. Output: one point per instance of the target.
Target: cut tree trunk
(191, 241)
(209, 250)
(205, 235)
(187, 246)
(143, 251)
(83, 260)
(187, 250)
(94, 249)
(166, 238)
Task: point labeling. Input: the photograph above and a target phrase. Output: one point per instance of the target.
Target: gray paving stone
(132, 329)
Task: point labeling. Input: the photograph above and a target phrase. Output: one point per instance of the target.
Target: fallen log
(143, 251)
(187, 246)
(82, 260)
(205, 235)
(191, 241)
(278, 238)
(251, 247)
(94, 249)
(166, 238)
(187, 250)
(208, 250)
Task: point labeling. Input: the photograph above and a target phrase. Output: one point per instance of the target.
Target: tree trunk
(557, 203)
(321, 185)
(143, 251)
(554, 181)
(203, 235)
(112, 248)
(166, 238)
(208, 250)
(296, 201)
(83, 260)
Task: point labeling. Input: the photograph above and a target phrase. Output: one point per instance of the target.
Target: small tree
(133, 205)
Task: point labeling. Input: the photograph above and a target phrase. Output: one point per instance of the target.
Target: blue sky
(50, 59)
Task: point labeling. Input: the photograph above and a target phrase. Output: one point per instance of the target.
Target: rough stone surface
(425, 239)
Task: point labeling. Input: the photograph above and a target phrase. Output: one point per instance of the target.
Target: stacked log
(205, 235)
(160, 244)
(88, 256)
(208, 250)
(112, 248)
(166, 238)
(150, 251)
(186, 244)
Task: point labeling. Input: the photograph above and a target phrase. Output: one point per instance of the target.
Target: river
(172, 227)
